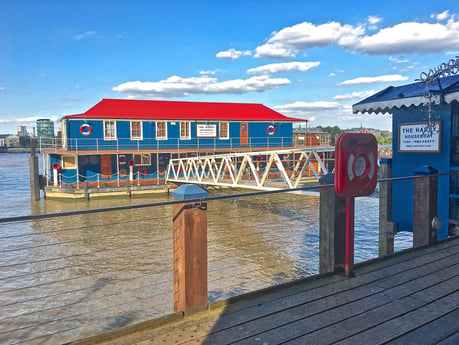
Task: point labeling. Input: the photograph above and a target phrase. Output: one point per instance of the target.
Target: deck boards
(411, 298)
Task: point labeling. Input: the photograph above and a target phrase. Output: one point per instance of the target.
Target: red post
(349, 247)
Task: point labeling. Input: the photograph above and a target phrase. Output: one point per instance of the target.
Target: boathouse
(135, 139)
(425, 131)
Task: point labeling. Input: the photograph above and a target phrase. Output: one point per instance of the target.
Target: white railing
(148, 144)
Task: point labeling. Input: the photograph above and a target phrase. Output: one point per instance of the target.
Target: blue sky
(305, 59)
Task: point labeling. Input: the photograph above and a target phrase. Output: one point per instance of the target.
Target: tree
(24, 141)
(334, 131)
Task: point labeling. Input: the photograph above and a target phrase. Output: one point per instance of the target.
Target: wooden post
(332, 227)
(33, 171)
(190, 250)
(86, 190)
(425, 198)
(387, 228)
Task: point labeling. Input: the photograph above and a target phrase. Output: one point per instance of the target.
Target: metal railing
(76, 273)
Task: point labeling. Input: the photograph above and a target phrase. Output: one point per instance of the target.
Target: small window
(161, 130)
(68, 162)
(224, 130)
(136, 130)
(109, 130)
(185, 130)
(141, 159)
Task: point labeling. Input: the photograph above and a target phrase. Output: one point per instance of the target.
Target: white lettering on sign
(419, 137)
(206, 131)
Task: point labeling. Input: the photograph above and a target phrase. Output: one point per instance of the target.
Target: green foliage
(334, 131)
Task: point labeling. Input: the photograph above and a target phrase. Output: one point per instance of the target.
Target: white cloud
(2, 88)
(372, 20)
(404, 38)
(306, 107)
(397, 60)
(409, 38)
(374, 80)
(233, 54)
(290, 40)
(354, 95)
(176, 86)
(441, 16)
(283, 67)
(85, 35)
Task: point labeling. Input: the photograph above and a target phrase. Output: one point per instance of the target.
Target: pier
(408, 298)
(268, 272)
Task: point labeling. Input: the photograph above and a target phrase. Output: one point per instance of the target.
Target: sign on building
(419, 137)
(206, 131)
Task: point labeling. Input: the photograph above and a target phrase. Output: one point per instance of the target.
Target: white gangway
(262, 170)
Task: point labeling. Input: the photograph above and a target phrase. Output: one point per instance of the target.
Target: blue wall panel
(405, 163)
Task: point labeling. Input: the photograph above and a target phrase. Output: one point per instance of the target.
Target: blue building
(425, 127)
(118, 139)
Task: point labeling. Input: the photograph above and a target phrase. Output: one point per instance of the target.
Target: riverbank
(14, 149)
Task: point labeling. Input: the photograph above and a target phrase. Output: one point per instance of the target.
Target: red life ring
(85, 129)
(122, 159)
(271, 130)
(56, 166)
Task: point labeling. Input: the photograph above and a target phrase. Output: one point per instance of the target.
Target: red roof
(174, 110)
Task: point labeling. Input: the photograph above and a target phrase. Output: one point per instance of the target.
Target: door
(106, 166)
(244, 134)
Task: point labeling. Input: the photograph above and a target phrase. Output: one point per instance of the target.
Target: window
(109, 130)
(141, 159)
(161, 130)
(185, 130)
(224, 130)
(136, 130)
(68, 162)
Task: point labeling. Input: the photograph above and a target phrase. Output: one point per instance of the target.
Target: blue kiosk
(425, 129)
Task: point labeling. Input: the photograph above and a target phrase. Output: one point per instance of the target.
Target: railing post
(387, 228)
(425, 197)
(332, 227)
(189, 225)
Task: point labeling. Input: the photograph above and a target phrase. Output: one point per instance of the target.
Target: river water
(67, 278)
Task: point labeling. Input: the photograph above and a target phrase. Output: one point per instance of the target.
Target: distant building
(45, 128)
(21, 131)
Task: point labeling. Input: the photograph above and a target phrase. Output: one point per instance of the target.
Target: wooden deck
(409, 298)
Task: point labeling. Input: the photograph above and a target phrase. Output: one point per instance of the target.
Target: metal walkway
(262, 170)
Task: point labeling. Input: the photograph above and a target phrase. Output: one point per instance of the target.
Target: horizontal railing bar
(175, 202)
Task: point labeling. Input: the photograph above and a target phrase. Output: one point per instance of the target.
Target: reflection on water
(72, 277)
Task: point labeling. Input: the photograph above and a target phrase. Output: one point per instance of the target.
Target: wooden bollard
(332, 227)
(190, 250)
(425, 199)
(387, 228)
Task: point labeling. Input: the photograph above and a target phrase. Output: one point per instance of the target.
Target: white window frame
(107, 122)
(186, 124)
(227, 130)
(141, 159)
(165, 131)
(141, 131)
(65, 164)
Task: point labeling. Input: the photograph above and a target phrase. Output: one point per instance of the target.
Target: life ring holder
(122, 159)
(271, 130)
(85, 129)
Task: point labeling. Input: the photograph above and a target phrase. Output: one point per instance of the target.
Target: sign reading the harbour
(419, 137)
(206, 131)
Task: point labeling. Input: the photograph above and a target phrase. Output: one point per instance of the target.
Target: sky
(304, 59)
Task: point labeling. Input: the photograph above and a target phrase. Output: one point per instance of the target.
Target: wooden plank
(352, 317)
(434, 332)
